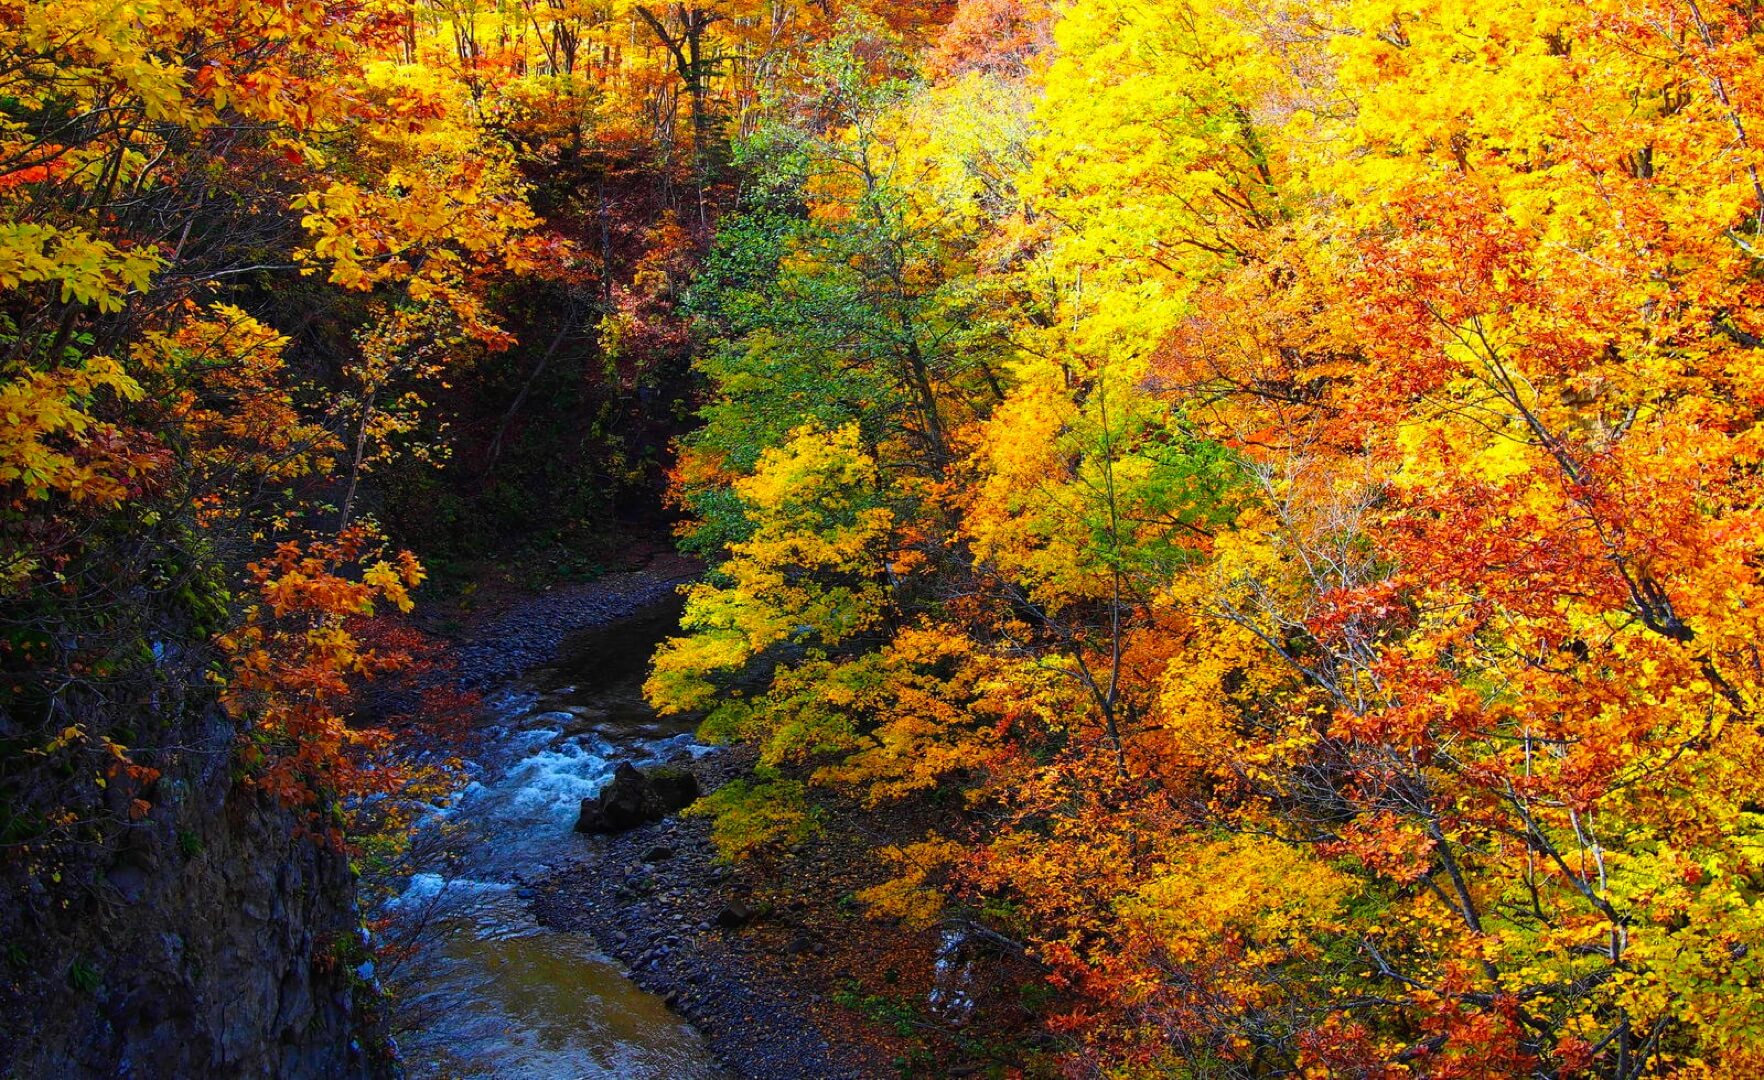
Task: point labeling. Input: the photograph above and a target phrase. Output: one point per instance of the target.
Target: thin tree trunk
(495, 450)
(361, 430)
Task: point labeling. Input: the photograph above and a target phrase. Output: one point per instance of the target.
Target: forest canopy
(1282, 479)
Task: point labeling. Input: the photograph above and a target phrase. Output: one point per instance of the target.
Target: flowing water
(485, 991)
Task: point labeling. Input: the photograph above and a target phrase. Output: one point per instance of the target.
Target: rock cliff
(210, 938)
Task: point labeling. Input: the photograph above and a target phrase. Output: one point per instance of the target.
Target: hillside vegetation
(1276, 483)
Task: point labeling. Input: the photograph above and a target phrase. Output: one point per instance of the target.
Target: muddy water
(485, 991)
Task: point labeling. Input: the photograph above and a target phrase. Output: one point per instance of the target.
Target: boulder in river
(636, 797)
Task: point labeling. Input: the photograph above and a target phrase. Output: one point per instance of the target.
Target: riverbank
(733, 953)
(782, 969)
(508, 633)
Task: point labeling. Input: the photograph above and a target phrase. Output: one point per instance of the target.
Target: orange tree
(157, 171)
(1344, 592)
(1475, 642)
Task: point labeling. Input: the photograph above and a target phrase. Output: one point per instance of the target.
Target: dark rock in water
(658, 853)
(734, 915)
(619, 806)
(634, 797)
(586, 721)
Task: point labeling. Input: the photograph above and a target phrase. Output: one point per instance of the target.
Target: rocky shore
(743, 970)
(527, 632)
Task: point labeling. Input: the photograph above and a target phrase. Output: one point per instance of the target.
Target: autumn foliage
(1278, 483)
(1308, 466)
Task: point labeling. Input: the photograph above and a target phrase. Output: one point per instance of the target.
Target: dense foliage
(1293, 467)
(1282, 478)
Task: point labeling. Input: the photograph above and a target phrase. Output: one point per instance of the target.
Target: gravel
(528, 633)
(661, 920)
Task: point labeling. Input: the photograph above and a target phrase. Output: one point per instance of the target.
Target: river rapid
(482, 990)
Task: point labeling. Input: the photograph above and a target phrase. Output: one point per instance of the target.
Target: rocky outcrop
(214, 937)
(636, 797)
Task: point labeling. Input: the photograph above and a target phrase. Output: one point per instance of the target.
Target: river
(485, 991)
